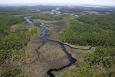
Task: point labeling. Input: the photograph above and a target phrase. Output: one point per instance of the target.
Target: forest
(91, 30)
(11, 42)
(97, 31)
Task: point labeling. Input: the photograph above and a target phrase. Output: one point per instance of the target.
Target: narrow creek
(44, 38)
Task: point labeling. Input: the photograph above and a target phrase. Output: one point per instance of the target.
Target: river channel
(44, 38)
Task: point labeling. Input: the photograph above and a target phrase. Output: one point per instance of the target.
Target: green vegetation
(48, 17)
(6, 22)
(83, 70)
(88, 30)
(13, 10)
(100, 33)
(12, 72)
(97, 31)
(103, 56)
(14, 36)
(105, 22)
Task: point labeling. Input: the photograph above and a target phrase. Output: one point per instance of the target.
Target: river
(44, 38)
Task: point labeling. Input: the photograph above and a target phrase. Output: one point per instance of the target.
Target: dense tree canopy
(93, 30)
(12, 41)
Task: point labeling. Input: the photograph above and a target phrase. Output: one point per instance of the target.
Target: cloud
(72, 2)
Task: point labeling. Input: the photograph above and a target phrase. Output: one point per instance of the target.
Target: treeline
(47, 17)
(102, 56)
(100, 33)
(6, 22)
(105, 22)
(13, 10)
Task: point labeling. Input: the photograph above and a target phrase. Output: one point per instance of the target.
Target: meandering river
(44, 38)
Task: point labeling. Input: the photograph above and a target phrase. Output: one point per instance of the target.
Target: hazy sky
(68, 2)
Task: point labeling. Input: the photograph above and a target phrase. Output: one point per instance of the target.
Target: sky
(58, 2)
